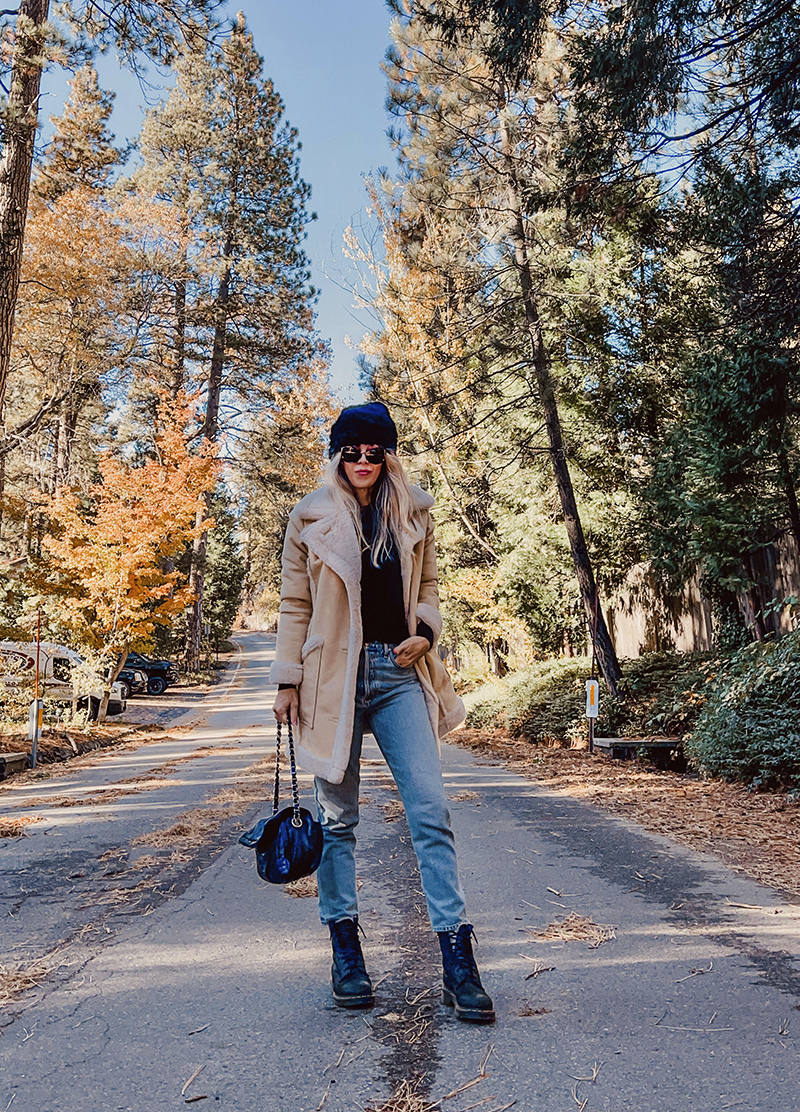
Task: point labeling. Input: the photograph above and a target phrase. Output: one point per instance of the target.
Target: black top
(383, 614)
(382, 610)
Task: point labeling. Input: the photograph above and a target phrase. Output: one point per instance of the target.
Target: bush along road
(145, 965)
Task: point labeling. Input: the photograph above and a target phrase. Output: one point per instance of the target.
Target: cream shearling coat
(320, 633)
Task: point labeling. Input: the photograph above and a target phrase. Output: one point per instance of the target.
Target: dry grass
(527, 1012)
(13, 982)
(394, 810)
(245, 794)
(190, 830)
(463, 796)
(405, 1099)
(99, 797)
(304, 887)
(147, 861)
(756, 833)
(15, 828)
(576, 928)
(148, 782)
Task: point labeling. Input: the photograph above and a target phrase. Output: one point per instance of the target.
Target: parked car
(133, 681)
(161, 674)
(18, 661)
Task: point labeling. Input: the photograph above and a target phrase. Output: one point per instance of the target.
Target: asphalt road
(150, 959)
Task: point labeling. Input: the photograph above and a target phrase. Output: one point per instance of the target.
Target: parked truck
(56, 667)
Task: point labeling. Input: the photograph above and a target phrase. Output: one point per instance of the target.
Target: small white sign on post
(592, 698)
(35, 716)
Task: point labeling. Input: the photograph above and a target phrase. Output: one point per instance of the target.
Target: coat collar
(331, 535)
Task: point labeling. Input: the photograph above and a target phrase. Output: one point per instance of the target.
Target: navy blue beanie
(364, 424)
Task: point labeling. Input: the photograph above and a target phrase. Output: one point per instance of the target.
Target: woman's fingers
(408, 652)
(286, 705)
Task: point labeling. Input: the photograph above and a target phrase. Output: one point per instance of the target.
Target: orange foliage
(108, 581)
(74, 319)
(490, 618)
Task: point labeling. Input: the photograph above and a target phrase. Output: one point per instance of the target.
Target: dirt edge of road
(59, 744)
(757, 834)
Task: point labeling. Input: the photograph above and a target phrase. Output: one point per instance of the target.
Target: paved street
(155, 952)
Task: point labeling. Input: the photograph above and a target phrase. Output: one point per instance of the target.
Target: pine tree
(221, 154)
(81, 152)
(474, 154)
(154, 27)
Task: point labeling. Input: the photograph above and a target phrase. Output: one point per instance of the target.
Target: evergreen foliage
(546, 703)
(189, 275)
(81, 152)
(224, 572)
(749, 728)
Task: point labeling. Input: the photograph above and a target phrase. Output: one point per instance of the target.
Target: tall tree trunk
(69, 412)
(61, 452)
(16, 163)
(197, 574)
(211, 423)
(791, 498)
(606, 655)
(102, 710)
(179, 351)
(194, 631)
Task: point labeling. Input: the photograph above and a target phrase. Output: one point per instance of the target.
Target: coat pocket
(308, 692)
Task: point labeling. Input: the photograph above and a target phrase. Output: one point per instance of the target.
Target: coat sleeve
(428, 600)
(295, 610)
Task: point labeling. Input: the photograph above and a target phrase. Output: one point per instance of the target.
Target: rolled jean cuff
(446, 930)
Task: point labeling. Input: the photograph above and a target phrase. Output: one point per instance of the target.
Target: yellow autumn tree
(107, 576)
(81, 318)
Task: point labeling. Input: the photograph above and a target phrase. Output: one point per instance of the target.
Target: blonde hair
(391, 498)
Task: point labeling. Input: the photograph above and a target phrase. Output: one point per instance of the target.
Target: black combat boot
(462, 982)
(352, 987)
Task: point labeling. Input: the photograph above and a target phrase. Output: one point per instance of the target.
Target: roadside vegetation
(737, 714)
(585, 309)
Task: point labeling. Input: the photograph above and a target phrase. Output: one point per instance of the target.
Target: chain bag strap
(289, 844)
(297, 822)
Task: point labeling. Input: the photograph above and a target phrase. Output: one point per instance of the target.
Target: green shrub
(749, 728)
(546, 702)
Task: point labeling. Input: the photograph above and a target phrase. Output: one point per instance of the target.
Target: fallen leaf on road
(15, 828)
(576, 928)
(305, 886)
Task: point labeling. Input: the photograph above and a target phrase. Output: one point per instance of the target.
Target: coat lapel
(332, 537)
(334, 540)
(412, 537)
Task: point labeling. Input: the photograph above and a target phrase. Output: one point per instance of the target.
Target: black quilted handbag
(289, 844)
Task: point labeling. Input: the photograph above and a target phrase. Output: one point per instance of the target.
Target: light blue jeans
(390, 702)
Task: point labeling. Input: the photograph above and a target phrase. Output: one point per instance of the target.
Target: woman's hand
(286, 704)
(408, 652)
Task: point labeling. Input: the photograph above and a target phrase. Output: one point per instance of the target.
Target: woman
(359, 619)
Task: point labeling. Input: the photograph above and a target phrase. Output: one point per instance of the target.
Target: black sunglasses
(352, 454)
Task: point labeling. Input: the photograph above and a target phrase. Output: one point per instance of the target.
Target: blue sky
(325, 60)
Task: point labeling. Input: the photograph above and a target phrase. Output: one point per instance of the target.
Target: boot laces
(461, 942)
(347, 945)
